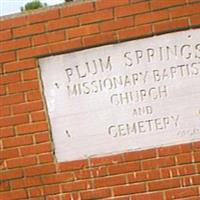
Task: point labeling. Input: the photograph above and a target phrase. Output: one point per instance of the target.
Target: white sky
(13, 6)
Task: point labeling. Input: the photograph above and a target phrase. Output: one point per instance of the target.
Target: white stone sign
(123, 97)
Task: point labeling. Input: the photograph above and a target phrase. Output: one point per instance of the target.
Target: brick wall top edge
(26, 13)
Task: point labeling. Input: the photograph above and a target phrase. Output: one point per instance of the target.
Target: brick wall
(28, 166)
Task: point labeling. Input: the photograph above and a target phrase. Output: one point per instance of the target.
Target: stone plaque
(123, 97)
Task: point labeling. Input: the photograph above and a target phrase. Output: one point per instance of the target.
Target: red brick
(28, 107)
(181, 193)
(4, 186)
(83, 30)
(44, 16)
(12, 22)
(51, 37)
(158, 163)
(27, 182)
(95, 172)
(184, 158)
(135, 32)
(9, 153)
(22, 87)
(185, 10)
(46, 158)
(7, 57)
(77, 9)
(76, 186)
(187, 181)
(32, 128)
(124, 168)
(57, 178)
(132, 9)
(144, 176)
(52, 197)
(148, 196)
(96, 194)
(4, 111)
(21, 162)
(193, 1)
(193, 198)
(33, 52)
(140, 155)
(82, 177)
(106, 160)
(198, 168)
(1, 69)
(129, 189)
(73, 165)
(117, 24)
(10, 78)
(5, 35)
(11, 174)
(173, 150)
(17, 141)
(137, 177)
(109, 181)
(120, 198)
(66, 46)
(195, 20)
(98, 172)
(169, 26)
(34, 95)
(40, 39)
(164, 184)
(12, 99)
(158, 4)
(36, 149)
(36, 192)
(28, 30)
(196, 179)
(197, 156)
(62, 23)
(58, 197)
(39, 170)
(14, 120)
(42, 137)
(153, 174)
(151, 17)
(15, 44)
(83, 174)
(20, 65)
(38, 116)
(103, 38)
(136, 1)
(96, 17)
(2, 90)
(169, 172)
(104, 4)
(196, 146)
(6, 132)
(30, 74)
(51, 189)
(56, 36)
(14, 195)
(186, 170)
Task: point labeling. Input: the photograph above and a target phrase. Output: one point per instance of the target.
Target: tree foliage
(35, 4)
